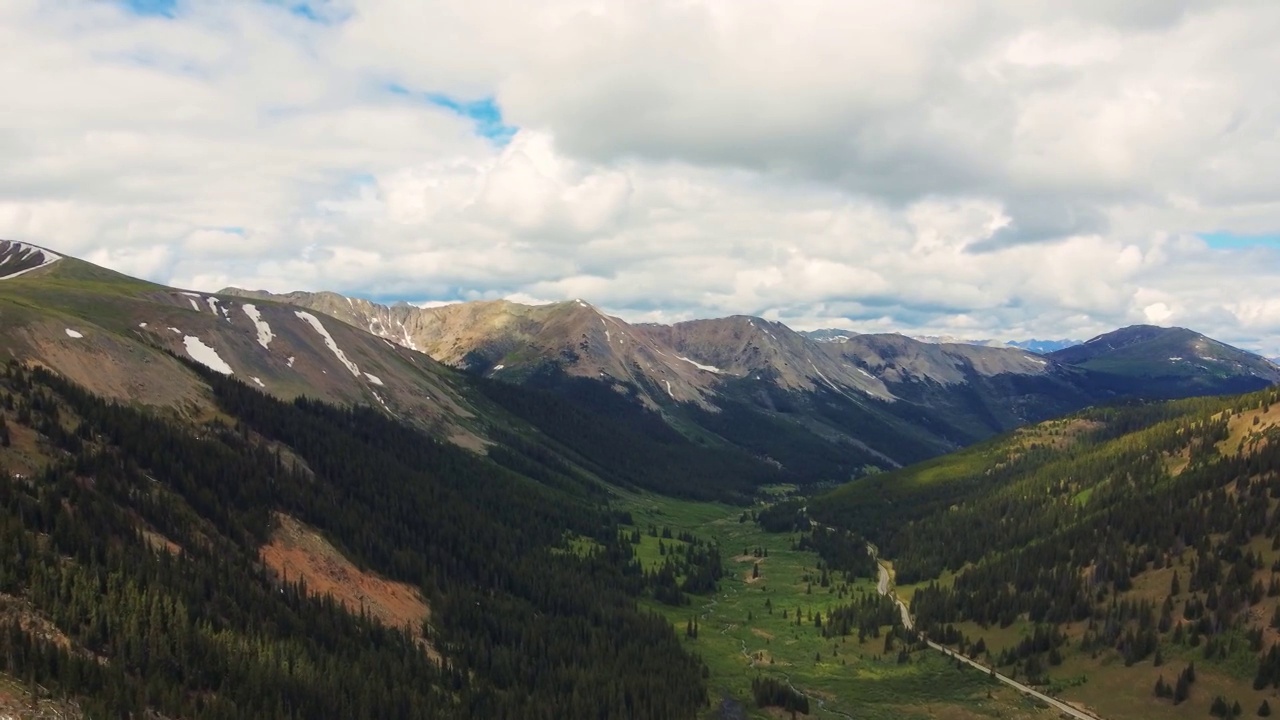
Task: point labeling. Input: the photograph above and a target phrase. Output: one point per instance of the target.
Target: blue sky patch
(1222, 240)
(159, 8)
(484, 114)
(317, 11)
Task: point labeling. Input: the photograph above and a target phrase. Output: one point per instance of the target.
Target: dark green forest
(1052, 528)
(527, 629)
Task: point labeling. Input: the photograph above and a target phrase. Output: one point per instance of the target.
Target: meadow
(749, 629)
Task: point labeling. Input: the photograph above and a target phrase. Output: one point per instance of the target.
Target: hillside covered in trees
(1131, 546)
(133, 580)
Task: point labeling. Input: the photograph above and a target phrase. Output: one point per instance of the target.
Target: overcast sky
(981, 169)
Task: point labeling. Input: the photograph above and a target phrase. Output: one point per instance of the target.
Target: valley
(505, 511)
(748, 629)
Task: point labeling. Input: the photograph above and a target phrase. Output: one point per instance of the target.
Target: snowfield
(206, 355)
(374, 379)
(73, 334)
(328, 340)
(217, 309)
(700, 366)
(265, 336)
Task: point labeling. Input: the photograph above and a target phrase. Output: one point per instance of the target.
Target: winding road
(884, 586)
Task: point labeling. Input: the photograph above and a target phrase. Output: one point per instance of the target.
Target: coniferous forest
(1056, 527)
(526, 630)
(532, 574)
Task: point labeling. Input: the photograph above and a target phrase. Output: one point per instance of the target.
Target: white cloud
(1001, 169)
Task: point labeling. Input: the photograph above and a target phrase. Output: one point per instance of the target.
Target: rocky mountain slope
(818, 411)
(870, 400)
(142, 343)
(1169, 361)
(684, 362)
(121, 338)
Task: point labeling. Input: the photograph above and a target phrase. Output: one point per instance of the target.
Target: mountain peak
(1174, 357)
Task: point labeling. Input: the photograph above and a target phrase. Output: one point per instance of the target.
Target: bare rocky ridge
(686, 361)
(853, 400)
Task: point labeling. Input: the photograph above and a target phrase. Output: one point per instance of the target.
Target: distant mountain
(1042, 347)
(1039, 347)
(953, 340)
(829, 335)
(1170, 362)
(824, 404)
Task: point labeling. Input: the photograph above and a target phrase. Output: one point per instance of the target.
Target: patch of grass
(743, 633)
(578, 545)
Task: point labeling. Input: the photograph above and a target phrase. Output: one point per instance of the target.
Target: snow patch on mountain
(328, 340)
(74, 334)
(206, 355)
(265, 336)
(13, 254)
(700, 366)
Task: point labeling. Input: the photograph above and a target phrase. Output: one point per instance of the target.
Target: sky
(973, 168)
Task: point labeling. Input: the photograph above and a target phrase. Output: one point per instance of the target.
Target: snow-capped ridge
(14, 254)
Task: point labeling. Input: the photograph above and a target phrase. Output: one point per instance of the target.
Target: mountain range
(822, 409)
(853, 402)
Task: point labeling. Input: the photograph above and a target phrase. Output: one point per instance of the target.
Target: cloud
(989, 169)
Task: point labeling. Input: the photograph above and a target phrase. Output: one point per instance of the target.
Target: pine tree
(1161, 689)
(1181, 689)
(1264, 710)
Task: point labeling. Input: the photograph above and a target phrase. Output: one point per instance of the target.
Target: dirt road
(884, 586)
